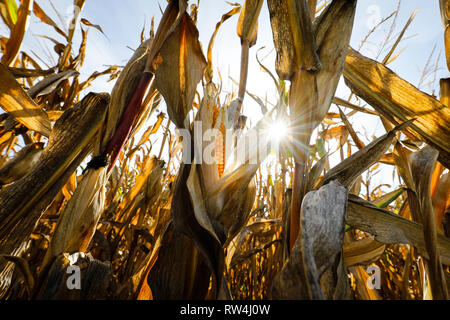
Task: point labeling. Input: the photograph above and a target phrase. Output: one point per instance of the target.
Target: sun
(278, 131)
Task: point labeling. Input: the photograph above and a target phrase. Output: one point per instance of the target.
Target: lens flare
(278, 131)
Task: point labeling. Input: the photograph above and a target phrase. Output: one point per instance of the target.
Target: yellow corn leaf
(399, 101)
(247, 28)
(17, 33)
(18, 104)
(179, 67)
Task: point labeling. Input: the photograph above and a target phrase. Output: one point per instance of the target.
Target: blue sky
(122, 22)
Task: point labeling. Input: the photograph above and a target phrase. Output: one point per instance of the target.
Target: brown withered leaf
(196, 193)
(351, 131)
(363, 252)
(24, 268)
(318, 244)
(225, 17)
(390, 228)
(422, 166)
(402, 164)
(400, 101)
(18, 104)
(311, 94)
(78, 6)
(303, 35)
(315, 172)
(9, 18)
(38, 12)
(179, 67)
(30, 73)
(205, 250)
(349, 169)
(21, 164)
(332, 45)
(50, 83)
(89, 24)
(441, 201)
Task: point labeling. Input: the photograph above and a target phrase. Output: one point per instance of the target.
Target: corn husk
(76, 226)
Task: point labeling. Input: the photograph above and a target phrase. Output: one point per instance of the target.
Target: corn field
(222, 207)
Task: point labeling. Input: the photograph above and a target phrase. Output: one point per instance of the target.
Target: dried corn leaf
(179, 272)
(185, 223)
(196, 193)
(399, 101)
(78, 6)
(95, 277)
(30, 73)
(8, 12)
(38, 12)
(179, 67)
(89, 24)
(319, 242)
(363, 252)
(333, 30)
(21, 164)
(225, 17)
(441, 201)
(351, 131)
(15, 101)
(315, 172)
(24, 268)
(388, 198)
(50, 83)
(311, 94)
(303, 35)
(14, 43)
(402, 164)
(422, 166)
(390, 228)
(348, 170)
